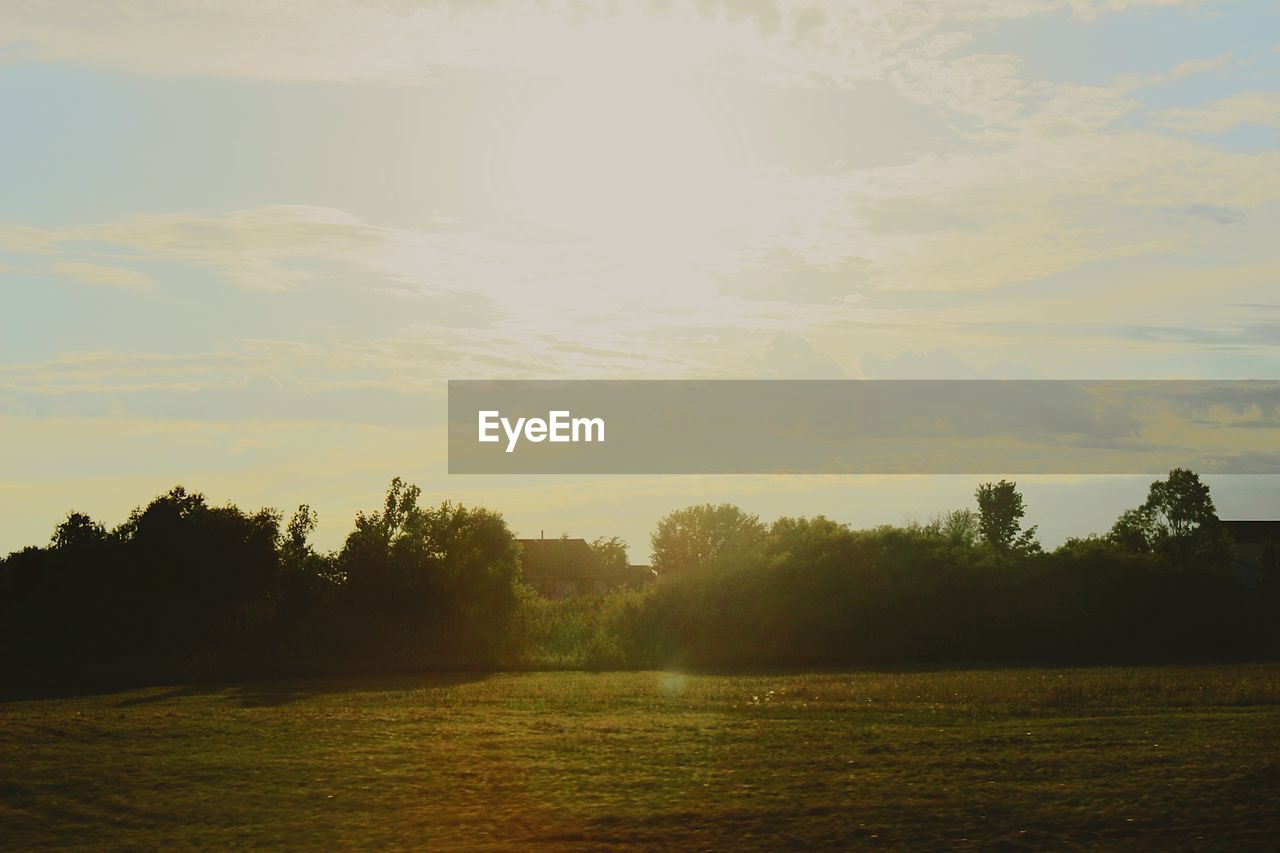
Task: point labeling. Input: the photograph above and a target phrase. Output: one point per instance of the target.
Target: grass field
(1147, 757)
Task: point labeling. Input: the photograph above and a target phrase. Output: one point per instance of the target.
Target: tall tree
(1000, 512)
(1180, 504)
(1184, 521)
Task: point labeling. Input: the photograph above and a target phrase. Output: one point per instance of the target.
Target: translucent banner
(863, 427)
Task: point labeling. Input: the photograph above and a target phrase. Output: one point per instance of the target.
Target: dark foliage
(820, 594)
(185, 590)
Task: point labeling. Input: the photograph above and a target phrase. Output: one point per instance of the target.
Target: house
(562, 567)
(1254, 545)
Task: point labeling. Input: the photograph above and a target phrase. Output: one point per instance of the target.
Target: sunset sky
(244, 244)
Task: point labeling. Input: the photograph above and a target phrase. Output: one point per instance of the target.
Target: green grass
(1180, 757)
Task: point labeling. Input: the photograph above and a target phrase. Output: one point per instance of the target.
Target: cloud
(1090, 10)
(263, 248)
(259, 249)
(280, 248)
(92, 372)
(1245, 108)
(1043, 205)
(789, 356)
(1216, 213)
(264, 39)
(783, 43)
(987, 87)
(1191, 67)
(1234, 336)
(1032, 179)
(108, 276)
(940, 364)
(783, 275)
(342, 376)
(1035, 183)
(20, 238)
(1198, 66)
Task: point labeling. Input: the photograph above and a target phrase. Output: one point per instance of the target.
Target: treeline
(970, 586)
(186, 590)
(814, 593)
(183, 589)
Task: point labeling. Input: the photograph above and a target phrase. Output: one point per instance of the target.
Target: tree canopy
(1000, 513)
(691, 538)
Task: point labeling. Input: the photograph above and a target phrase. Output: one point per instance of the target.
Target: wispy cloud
(786, 42)
(1255, 108)
(273, 248)
(1183, 69)
(1216, 213)
(103, 275)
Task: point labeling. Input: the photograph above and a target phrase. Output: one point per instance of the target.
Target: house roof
(559, 558)
(573, 560)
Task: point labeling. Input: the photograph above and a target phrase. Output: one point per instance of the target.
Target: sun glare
(605, 154)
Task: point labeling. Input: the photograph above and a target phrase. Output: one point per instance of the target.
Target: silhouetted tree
(430, 584)
(1000, 512)
(301, 525)
(1180, 503)
(1134, 531)
(78, 531)
(305, 595)
(1178, 519)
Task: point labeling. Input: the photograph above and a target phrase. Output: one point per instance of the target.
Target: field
(1183, 757)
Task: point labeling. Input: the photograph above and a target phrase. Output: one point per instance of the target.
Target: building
(1254, 547)
(562, 567)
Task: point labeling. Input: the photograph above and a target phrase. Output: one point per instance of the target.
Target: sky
(244, 244)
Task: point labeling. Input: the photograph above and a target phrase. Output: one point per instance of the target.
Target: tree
(692, 537)
(306, 577)
(439, 581)
(299, 529)
(959, 527)
(78, 530)
(611, 553)
(1180, 504)
(1183, 520)
(1134, 531)
(1000, 512)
